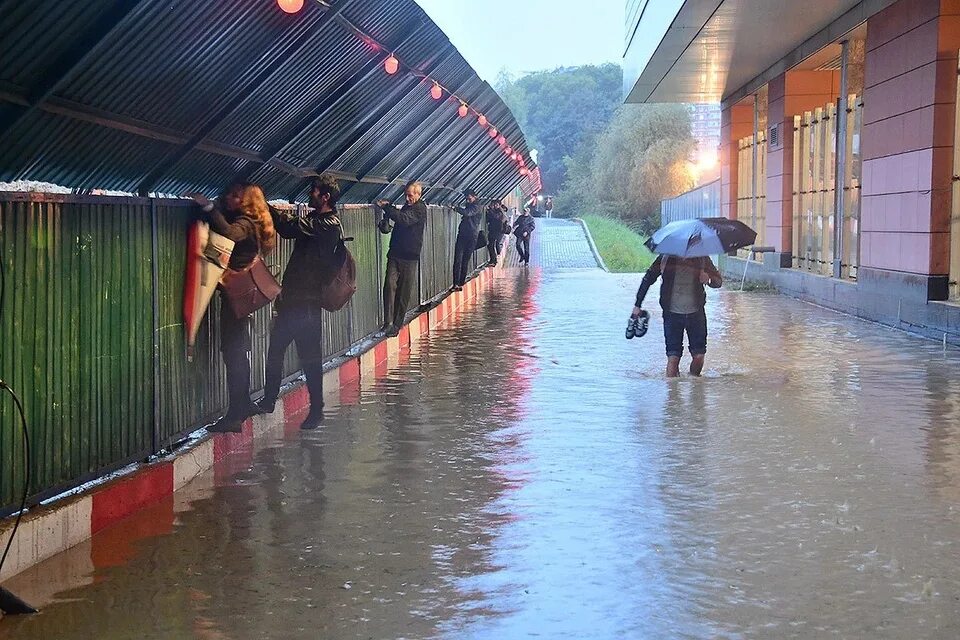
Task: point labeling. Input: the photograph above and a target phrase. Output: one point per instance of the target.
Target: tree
(640, 159)
(561, 109)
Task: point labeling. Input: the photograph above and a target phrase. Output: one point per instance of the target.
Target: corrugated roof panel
(170, 68)
(180, 61)
(77, 154)
(269, 113)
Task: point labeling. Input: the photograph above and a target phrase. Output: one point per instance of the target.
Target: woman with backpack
(242, 215)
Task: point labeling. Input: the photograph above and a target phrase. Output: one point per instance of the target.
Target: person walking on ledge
(683, 300)
(496, 226)
(298, 314)
(403, 256)
(523, 230)
(241, 214)
(466, 238)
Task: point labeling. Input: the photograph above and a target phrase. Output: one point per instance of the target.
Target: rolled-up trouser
(466, 245)
(693, 324)
(399, 285)
(300, 322)
(234, 345)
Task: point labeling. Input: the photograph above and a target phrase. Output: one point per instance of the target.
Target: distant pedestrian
(548, 206)
(298, 314)
(403, 256)
(496, 228)
(683, 300)
(523, 230)
(470, 215)
(242, 215)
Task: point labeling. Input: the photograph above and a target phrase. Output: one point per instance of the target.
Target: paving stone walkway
(558, 244)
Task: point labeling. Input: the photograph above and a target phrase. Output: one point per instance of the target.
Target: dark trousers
(234, 347)
(523, 248)
(300, 322)
(493, 246)
(398, 289)
(461, 258)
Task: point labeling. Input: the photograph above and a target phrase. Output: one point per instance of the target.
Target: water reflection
(527, 472)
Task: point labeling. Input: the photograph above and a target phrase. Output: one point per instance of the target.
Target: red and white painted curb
(50, 529)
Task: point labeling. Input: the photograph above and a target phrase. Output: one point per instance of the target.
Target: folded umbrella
(208, 254)
(701, 237)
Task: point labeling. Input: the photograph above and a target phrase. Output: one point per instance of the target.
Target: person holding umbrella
(685, 266)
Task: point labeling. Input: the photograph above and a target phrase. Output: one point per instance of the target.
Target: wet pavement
(527, 472)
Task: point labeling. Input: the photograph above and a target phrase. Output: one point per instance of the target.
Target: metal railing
(702, 202)
(92, 333)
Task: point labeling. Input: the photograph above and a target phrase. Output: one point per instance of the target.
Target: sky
(530, 35)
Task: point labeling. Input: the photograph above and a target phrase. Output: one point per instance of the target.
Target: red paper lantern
(502, 141)
(391, 65)
(493, 132)
(523, 172)
(482, 120)
(436, 92)
(464, 110)
(509, 150)
(290, 6)
(515, 157)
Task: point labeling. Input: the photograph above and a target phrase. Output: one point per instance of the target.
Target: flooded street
(527, 472)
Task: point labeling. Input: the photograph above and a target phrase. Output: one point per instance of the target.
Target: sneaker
(631, 328)
(386, 330)
(312, 421)
(637, 327)
(457, 288)
(392, 333)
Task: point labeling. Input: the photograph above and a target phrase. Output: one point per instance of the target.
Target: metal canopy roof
(172, 96)
(713, 50)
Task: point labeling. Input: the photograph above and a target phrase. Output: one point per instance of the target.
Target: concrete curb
(55, 527)
(593, 246)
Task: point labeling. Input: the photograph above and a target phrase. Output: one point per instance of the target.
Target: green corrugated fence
(92, 335)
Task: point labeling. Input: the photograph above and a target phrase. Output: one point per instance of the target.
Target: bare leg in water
(696, 367)
(673, 367)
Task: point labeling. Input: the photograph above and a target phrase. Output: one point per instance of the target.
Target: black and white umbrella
(701, 237)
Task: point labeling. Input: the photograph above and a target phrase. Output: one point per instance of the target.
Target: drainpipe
(840, 179)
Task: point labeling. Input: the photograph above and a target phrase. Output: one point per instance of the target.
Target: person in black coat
(242, 215)
(523, 230)
(298, 314)
(496, 228)
(403, 256)
(467, 233)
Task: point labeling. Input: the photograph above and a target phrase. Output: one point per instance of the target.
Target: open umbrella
(701, 237)
(207, 256)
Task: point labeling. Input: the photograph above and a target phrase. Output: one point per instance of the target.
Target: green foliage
(562, 111)
(621, 248)
(640, 159)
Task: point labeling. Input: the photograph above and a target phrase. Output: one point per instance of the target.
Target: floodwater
(527, 472)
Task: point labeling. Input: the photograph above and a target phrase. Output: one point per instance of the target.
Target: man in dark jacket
(496, 227)
(403, 257)
(683, 299)
(470, 214)
(298, 313)
(523, 230)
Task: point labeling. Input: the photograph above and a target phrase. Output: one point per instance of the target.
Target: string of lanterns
(392, 66)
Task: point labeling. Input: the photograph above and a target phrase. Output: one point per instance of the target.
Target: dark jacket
(316, 237)
(406, 241)
(524, 224)
(668, 272)
(496, 222)
(470, 220)
(240, 229)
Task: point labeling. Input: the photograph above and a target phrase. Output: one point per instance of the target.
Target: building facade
(837, 139)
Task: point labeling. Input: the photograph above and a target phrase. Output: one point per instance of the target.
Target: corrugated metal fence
(92, 337)
(702, 202)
